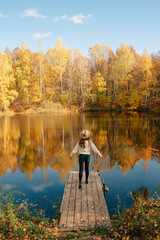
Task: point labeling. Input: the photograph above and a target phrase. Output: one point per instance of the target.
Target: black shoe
(79, 185)
(87, 181)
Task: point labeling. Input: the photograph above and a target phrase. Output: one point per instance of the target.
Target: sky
(80, 23)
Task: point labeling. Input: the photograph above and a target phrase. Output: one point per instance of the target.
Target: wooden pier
(86, 207)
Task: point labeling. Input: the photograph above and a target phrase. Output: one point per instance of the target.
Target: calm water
(34, 154)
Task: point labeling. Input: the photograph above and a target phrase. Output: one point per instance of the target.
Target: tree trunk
(40, 67)
(146, 97)
(70, 88)
(61, 80)
(40, 75)
(4, 99)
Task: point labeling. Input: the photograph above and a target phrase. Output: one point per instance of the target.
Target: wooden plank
(65, 203)
(98, 207)
(84, 215)
(78, 207)
(67, 187)
(91, 208)
(105, 215)
(71, 206)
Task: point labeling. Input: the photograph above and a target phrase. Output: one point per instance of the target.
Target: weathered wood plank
(71, 206)
(65, 203)
(91, 208)
(78, 209)
(66, 191)
(98, 210)
(84, 217)
(105, 215)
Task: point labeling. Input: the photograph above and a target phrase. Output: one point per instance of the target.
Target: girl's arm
(75, 150)
(94, 148)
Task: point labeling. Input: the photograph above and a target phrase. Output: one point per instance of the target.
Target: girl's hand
(101, 157)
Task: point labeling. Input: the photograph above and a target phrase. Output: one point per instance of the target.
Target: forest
(105, 80)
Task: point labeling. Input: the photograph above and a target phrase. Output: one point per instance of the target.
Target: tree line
(103, 80)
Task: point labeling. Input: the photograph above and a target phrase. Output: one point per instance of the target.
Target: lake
(34, 155)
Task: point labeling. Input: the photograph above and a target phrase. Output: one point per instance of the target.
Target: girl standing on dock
(83, 147)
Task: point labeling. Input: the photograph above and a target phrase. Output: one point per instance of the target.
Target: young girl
(83, 147)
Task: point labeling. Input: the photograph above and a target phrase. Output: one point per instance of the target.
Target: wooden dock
(86, 207)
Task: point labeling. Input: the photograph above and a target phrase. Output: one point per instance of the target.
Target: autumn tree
(59, 56)
(82, 77)
(70, 74)
(124, 65)
(35, 94)
(40, 67)
(98, 87)
(40, 80)
(136, 83)
(7, 82)
(156, 74)
(100, 56)
(147, 75)
(22, 74)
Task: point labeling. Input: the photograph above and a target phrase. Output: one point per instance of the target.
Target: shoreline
(65, 110)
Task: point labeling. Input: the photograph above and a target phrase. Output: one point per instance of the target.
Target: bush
(19, 221)
(48, 106)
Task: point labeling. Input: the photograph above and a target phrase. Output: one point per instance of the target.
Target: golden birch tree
(59, 56)
(125, 62)
(147, 75)
(22, 74)
(7, 82)
(82, 76)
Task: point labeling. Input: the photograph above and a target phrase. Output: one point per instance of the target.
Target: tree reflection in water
(44, 141)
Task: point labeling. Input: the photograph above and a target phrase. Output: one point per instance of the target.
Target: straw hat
(85, 134)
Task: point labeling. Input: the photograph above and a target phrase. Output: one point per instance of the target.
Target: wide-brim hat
(85, 134)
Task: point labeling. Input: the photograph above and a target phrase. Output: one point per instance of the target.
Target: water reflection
(44, 141)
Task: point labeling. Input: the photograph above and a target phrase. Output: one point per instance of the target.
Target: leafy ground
(21, 221)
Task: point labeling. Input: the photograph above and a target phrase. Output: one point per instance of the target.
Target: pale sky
(80, 23)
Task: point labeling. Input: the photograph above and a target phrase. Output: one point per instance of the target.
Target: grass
(48, 106)
(45, 106)
(22, 221)
(141, 221)
(6, 113)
